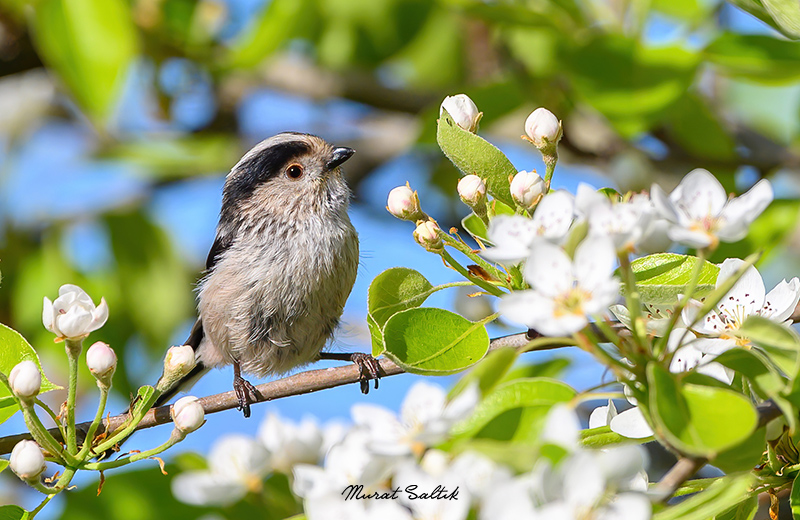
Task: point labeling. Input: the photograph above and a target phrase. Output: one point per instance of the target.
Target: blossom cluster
(387, 465)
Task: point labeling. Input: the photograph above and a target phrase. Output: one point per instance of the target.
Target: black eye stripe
(260, 168)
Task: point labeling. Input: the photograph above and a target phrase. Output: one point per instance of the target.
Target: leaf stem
(73, 349)
(87, 443)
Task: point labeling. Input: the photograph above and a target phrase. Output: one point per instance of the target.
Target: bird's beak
(339, 156)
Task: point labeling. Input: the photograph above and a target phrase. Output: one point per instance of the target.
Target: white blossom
(236, 465)
(702, 214)
(627, 223)
(527, 188)
(564, 292)
(513, 236)
(290, 443)
(425, 418)
(543, 127)
(187, 414)
(472, 190)
(101, 361)
(746, 298)
(403, 203)
(73, 315)
(427, 235)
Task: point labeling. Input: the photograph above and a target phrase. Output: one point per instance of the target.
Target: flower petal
(99, 315)
(632, 424)
(74, 323)
(553, 216)
(702, 195)
(781, 301)
(549, 269)
(663, 204)
(48, 316)
(746, 297)
(594, 262)
(203, 488)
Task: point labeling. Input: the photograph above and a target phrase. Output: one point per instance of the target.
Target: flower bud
(463, 111)
(543, 128)
(27, 460)
(180, 360)
(472, 190)
(102, 362)
(403, 203)
(25, 380)
(73, 315)
(187, 414)
(427, 235)
(527, 188)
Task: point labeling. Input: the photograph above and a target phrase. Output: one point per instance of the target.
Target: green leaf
(13, 513)
(474, 226)
(744, 456)
(14, 349)
(794, 498)
(663, 276)
(3, 465)
(698, 420)
(786, 14)
(488, 373)
(142, 397)
(693, 125)
(767, 333)
(434, 341)
(514, 410)
(276, 25)
(601, 437)
(766, 381)
(552, 368)
(755, 57)
(474, 155)
(91, 44)
(713, 501)
(744, 510)
(395, 290)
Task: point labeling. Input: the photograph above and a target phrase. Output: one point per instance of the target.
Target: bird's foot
(246, 393)
(368, 366)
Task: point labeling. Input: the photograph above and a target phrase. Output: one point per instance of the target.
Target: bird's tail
(187, 381)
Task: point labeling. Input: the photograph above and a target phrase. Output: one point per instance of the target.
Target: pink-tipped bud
(427, 235)
(187, 414)
(403, 203)
(102, 362)
(527, 188)
(472, 190)
(25, 380)
(463, 111)
(27, 460)
(543, 128)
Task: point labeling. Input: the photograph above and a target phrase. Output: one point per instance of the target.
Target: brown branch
(302, 383)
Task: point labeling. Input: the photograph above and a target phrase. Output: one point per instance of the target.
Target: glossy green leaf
(434, 341)
(698, 420)
(473, 225)
(272, 28)
(519, 403)
(395, 290)
(755, 57)
(765, 380)
(745, 510)
(488, 373)
(91, 44)
(13, 513)
(713, 501)
(14, 349)
(602, 437)
(474, 155)
(663, 276)
(794, 498)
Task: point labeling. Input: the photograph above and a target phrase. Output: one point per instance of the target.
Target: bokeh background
(120, 118)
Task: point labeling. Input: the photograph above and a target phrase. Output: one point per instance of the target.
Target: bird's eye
(294, 171)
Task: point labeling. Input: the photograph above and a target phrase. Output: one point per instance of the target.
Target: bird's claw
(246, 394)
(369, 368)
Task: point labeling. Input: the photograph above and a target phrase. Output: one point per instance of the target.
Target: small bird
(282, 265)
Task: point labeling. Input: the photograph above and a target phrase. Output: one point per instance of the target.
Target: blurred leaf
(631, 84)
(532, 14)
(13, 513)
(663, 276)
(692, 125)
(542, 63)
(155, 286)
(91, 44)
(3, 465)
(744, 510)
(473, 224)
(794, 497)
(552, 368)
(474, 155)
(755, 57)
(698, 420)
(524, 402)
(169, 159)
(716, 499)
(688, 10)
(771, 229)
(276, 24)
(745, 455)
(767, 333)
(13, 350)
(488, 373)
(434, 341)
(766, 381)
(601, 437)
